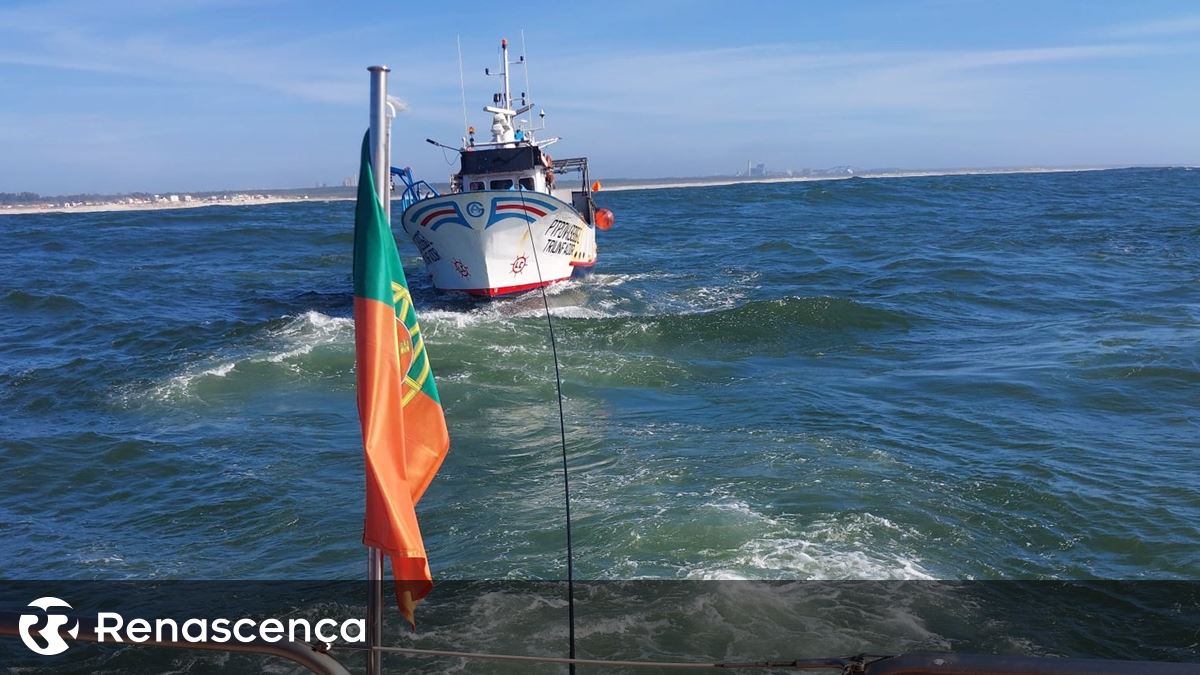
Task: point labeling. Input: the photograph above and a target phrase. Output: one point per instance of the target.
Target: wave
(19, 300)
(689, 621)
(758, 321)
(712, 310)
(272, 349)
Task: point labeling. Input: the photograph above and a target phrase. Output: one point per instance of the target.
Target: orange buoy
(596, 186)
(604, 219)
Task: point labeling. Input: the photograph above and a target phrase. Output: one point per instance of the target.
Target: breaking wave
(284, 348)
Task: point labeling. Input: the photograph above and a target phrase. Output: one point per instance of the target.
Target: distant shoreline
(716, 182)
(200, 202)
(259, 199)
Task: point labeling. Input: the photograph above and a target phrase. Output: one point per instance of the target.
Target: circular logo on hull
(518, 264)
(474, 209)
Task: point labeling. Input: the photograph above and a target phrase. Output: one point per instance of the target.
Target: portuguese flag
(403, 428)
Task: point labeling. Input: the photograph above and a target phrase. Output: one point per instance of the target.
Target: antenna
(462, 83)
(525, 65)
(507, 100)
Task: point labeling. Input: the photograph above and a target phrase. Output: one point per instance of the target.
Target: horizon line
(782, 176)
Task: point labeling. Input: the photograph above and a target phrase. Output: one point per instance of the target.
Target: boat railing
(570, 164)
(580, 199)
(414, 190)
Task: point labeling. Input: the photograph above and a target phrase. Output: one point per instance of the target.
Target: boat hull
(493, 243)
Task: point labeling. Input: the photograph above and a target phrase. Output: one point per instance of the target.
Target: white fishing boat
(506, 225)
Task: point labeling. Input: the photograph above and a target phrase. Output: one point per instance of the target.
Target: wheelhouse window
(502, 184)
(527, 183)
(476, 185)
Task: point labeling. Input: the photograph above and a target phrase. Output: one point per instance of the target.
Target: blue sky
(189, 95)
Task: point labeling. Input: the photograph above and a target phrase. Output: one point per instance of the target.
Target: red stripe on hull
(582, 263)
(444, 212)
(521, 207)
(505, 290)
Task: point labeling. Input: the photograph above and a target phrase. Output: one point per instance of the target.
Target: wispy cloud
(68, 36)
(1179, 25)
(781, 81)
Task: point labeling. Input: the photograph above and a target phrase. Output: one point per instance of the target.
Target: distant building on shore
(754, 170)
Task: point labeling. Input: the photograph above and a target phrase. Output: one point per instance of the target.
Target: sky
(161, 96)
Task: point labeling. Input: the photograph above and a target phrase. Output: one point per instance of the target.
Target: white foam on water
(298, 337)
(593, 297)
(497, 618)
(562, 287)
(523, 308)
(855, 546)
(221, 370)
(178, 386)
(742, 508)
(302, 335)
(602, 279)
(627, 624)
(710, 298)
(569, 312)
(434, 318)
(510, 350)
(313, 325)
(796, 558)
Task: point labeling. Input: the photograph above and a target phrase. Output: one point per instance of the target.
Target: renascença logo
(42, 631)
(45, 625)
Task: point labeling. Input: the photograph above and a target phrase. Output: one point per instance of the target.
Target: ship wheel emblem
(518, 265)
(462, 268)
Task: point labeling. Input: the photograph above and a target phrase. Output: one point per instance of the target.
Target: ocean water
(988, 377)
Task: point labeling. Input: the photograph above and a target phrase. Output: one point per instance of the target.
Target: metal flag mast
(380, 171)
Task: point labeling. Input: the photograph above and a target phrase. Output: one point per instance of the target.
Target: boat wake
(288, 348)
(837, 547)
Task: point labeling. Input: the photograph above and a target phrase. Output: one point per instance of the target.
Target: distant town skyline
(136, 95)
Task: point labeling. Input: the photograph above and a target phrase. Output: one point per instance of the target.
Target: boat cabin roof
(501, 160)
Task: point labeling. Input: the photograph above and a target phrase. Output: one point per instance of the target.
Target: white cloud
(778, 82)
(66, 36)
(1180, 25)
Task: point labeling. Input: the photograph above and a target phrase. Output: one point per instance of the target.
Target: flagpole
(379, 168)
(380, 137)
(374, 609)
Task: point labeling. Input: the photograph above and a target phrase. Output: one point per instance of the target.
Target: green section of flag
(378, 274)
(376, 261)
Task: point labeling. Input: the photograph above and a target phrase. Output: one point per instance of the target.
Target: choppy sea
(977, 377)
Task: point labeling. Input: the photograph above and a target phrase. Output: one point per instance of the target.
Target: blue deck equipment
(414, 190)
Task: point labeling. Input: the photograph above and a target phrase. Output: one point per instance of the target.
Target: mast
(380, 164)
(381, 137)
(503, 114)
(507, 102)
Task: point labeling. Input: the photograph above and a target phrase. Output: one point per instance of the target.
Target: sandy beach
(199, 202)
